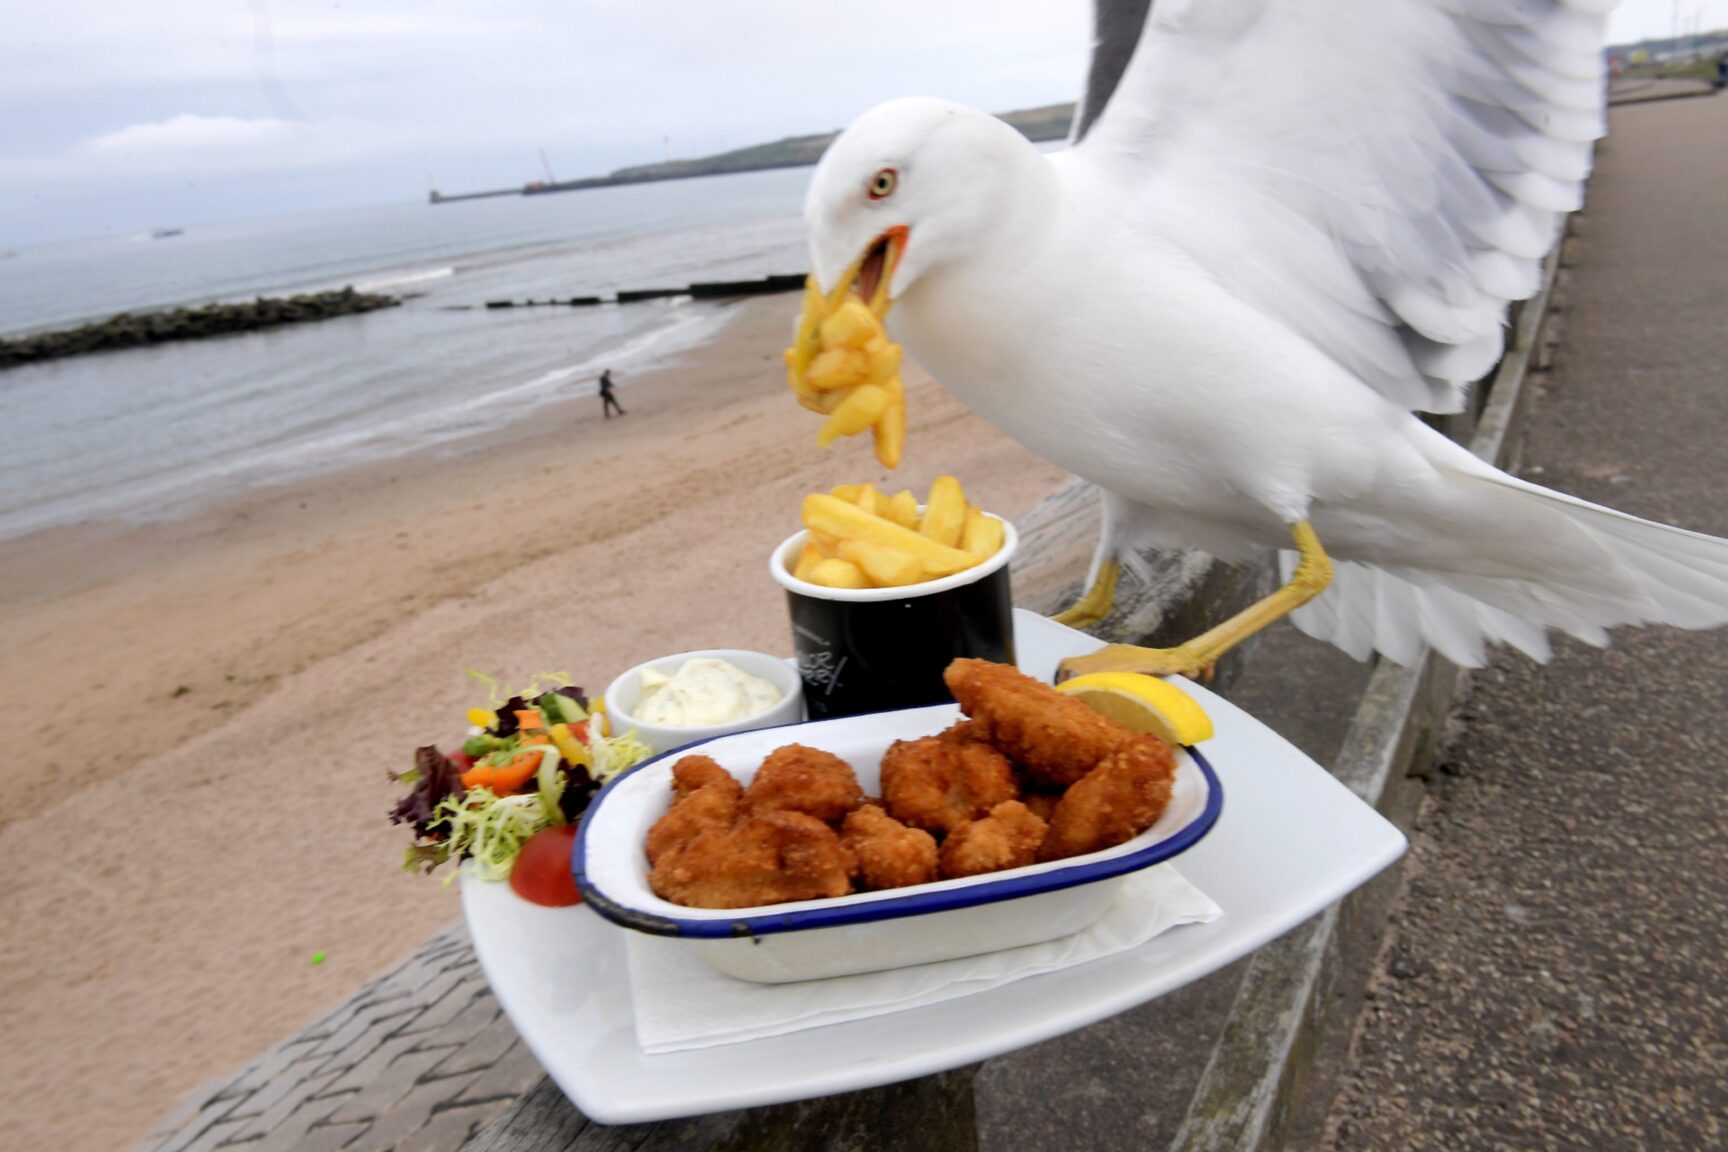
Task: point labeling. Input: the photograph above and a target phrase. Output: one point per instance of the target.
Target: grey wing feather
(1384, 177)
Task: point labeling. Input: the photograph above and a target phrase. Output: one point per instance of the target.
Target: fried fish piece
(1007, 838)
(1054, 738)
(693, 772)
(707, 797)
(1116, 801)
(765, 858)
(1042, 804)
(890, 855)
(938, 784)
(796, 778)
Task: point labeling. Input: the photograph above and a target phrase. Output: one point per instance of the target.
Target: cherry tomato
(462, 760)
(542, 871)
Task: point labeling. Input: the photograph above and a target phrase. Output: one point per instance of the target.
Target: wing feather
(1384, 177)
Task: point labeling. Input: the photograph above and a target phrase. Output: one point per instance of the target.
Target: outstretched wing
(1382, 175)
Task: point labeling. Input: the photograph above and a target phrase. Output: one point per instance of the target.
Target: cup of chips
(881, 601)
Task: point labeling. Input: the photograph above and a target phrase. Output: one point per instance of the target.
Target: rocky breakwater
(129, 330)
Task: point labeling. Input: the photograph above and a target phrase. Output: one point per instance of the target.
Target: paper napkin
(681, 1002)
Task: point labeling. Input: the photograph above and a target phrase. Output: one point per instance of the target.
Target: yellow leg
(1196, 657)
(1091, 608)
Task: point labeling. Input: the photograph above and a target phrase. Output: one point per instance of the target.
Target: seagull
(1292, 226)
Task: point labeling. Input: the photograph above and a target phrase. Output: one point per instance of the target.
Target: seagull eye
(882, 184)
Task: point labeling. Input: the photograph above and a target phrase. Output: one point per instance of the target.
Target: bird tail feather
(1600, 569)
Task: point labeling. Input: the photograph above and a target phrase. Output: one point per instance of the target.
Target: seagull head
(909, 187)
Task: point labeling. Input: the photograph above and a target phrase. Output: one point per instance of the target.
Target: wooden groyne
(702, 290)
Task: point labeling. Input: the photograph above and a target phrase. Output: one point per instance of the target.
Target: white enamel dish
(1292, 841)
(866, 931)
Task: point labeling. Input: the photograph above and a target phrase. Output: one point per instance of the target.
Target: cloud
(193, 137)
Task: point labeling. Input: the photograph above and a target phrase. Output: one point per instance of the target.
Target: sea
(151, 433)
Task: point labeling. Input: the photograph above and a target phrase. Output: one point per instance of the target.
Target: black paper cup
(877, 649)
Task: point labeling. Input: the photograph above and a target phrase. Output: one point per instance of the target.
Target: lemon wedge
(1142, 703)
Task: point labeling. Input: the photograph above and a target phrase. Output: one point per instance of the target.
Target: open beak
(868, 277)
(873, 271)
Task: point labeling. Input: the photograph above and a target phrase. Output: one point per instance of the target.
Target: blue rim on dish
(914, 903)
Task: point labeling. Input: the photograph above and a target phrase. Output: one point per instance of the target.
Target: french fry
(838, 574)
(903, 509)
(808, 558)
(869, 499)
(891, 426)
(805, 342)
(886, 567)
(858, 411)
(828, 546)
(846, 492)
(852, 325)
(982, 535)
(944, 512)
(837, 368)
(825, 514)
(882, 360)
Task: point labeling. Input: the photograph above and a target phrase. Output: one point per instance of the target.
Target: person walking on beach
(607, 400)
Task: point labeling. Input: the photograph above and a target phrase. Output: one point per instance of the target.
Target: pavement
(1555, 974)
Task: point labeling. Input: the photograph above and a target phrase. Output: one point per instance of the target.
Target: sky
(120, 115)
(116, 115)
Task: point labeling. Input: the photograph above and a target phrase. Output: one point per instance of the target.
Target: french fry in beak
(843, 365)
(891, 426)
(860, 410)
(852, 325)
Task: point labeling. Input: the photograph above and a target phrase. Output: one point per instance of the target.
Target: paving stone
(376, 1063)
(331, 1137)
(204, 1137)
(484, 1046)
(289, 1133)
(405, 1117)
(447, 1129)
(510, 1075)
(384, 1093)
(443, 1015)
(279, 1102)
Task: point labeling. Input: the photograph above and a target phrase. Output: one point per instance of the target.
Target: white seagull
(1292, 226)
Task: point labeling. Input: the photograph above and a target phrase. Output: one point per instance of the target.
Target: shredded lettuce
(490, 829)
(614, 754)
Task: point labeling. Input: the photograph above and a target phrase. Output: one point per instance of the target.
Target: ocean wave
(166, 496)
(396, 279)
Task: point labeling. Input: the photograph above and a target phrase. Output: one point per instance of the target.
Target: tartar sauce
(706, 690)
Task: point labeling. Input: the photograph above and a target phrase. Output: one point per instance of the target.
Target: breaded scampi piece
(795, 778)
(890, 855)
(768, 858)
(707, 797)
(1054, 738)
(938, 785)
(1007, 838)
(1114, 802)
(1042, 804)
(693, 772)
(962, 731)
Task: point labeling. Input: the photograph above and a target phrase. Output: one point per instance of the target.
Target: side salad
(531, 762)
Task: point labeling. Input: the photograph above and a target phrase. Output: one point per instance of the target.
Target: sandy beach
(212, 706)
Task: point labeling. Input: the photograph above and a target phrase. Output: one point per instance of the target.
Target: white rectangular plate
(1291, 841)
